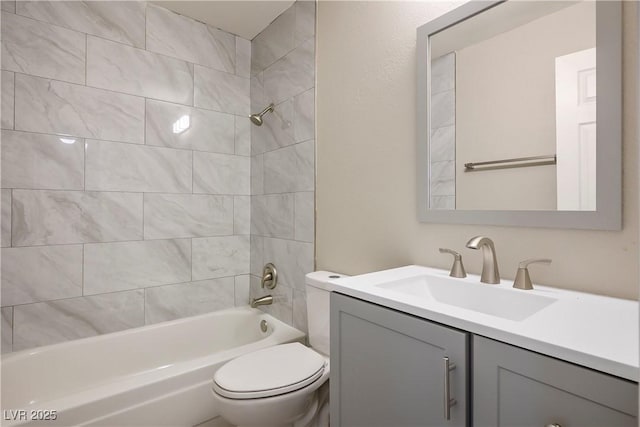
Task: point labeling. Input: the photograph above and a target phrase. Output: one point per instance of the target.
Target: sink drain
(263, 325)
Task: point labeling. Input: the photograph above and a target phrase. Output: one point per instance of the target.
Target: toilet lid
(269, 372)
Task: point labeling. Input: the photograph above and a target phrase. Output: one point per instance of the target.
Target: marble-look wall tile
(121, 21)
(39, 161)
(221, 174)
(208, 130)
(443, 202)
(113, 166)
(50, 106)
(121, 68)
(305, 20)
(110, 267)
(293, 260)
(175, 35)
(220, 257)
(272, 215)
(40, 49)
(7, 325)
(443, 73)
(242, 215)
(243, 136)
(290, 169)
(300, 311)
(220, 91)
(442, 172)
(171, 302)
(304, 115)
(242, 290)
(304, 229)
(274, 41)
(42, 217)
(187, 215)
(8, 91)
(292, 74)
(243, 57)
(442, 144)
(9, 6)
(257, 174)
(443, 109)
(258, 100)
(5, 218)
(277, 130)
(444, 187)
(55, 321)
(281, 308)
(257, 255)
(41, 273)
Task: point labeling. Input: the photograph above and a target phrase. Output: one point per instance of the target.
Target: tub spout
(265, 300)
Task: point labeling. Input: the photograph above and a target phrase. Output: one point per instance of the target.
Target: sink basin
(488, 299)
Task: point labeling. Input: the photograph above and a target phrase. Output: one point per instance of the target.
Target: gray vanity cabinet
(515, 387)
(388, 368)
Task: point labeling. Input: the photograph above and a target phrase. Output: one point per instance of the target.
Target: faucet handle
(523, 280)
(457, 269)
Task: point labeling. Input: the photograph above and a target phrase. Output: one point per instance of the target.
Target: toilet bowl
(284, 385)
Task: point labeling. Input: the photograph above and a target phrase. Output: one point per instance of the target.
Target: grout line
(146, 26)
(193, 175)
(144, 123)
(143, 229)
(136, 144)
(167, 193)
(14, 101)
(11, 213)
(125, 94)
(86, 57)
(82, 269)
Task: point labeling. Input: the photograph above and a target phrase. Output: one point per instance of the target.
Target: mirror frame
(608, 213)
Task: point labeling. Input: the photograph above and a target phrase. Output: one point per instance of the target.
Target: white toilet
(284, 385)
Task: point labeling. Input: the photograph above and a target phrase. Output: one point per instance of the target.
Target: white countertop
(590, 330)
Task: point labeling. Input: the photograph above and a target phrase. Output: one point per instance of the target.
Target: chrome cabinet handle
(448, 401)
(553, 425)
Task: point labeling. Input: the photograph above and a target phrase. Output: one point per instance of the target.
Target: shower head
(256, 119)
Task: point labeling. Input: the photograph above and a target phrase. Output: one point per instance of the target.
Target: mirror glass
(512, 109)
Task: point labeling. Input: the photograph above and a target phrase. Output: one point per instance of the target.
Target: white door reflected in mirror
(576, 130)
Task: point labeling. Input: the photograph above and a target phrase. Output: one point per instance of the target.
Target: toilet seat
(269, 372)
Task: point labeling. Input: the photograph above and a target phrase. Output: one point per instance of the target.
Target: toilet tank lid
(323, 279)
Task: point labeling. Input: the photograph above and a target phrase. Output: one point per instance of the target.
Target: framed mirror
(514, 128)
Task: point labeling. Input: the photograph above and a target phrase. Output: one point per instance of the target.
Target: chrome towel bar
(518, 162)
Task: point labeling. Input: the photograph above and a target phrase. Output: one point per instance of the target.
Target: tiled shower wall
(112, 216)
(443, 133)
(283, 159)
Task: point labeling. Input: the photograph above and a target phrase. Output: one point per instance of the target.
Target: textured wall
(366, 175)
(283, 159)
(110, 220)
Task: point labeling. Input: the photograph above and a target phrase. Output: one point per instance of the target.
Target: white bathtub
(157, 375)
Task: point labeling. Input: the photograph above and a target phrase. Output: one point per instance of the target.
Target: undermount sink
(488, 299)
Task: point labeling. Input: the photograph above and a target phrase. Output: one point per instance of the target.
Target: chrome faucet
(490, 273)
(265, 300)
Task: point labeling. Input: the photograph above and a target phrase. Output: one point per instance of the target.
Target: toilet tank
(318, 287)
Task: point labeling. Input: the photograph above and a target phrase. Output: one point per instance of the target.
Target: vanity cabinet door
(387, 368)
(516, 387)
